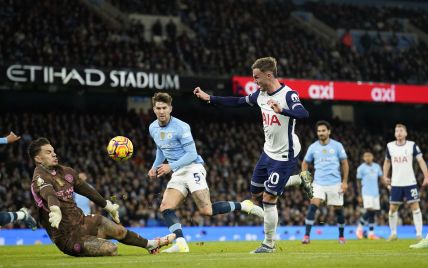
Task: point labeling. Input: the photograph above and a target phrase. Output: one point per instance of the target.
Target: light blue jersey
(369, 175)
(174, 143)
(326, 160)
(83, 203)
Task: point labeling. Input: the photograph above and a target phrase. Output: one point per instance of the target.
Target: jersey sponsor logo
(400, 159)
(66, 194)
(69, 178)
(270, 120)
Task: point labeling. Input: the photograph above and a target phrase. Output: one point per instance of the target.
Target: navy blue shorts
(398, 193)
(271, 175)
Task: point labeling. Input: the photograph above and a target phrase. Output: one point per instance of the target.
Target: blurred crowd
(218, 38)
(230, 149)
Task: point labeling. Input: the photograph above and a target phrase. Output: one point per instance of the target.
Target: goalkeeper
(72, 232)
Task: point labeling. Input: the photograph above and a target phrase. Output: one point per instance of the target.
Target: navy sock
(364, 218)
(371, 219)
(7, 217)
(222, 207)
(173, 222)
(340, 220)
(310, 218)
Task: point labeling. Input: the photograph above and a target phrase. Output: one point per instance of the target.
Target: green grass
(233, 254)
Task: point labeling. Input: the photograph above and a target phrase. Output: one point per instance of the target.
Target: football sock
(340, 220)
(222, 207)
(173, 223)
(393, 220)
(364, 218)
(270, 223)
(310, 218)
(7, 217)
(417, 220)
(134, 239)
(294, 180)
(371, 220)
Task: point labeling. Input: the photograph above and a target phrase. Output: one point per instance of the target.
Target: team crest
(69, 178)
(162, 135)
(331, 151)
(169, 135)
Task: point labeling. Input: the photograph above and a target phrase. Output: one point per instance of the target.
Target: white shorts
(332, 194)
(189, 178)
(371, 202)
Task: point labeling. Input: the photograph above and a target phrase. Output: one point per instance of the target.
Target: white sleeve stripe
(294, 105)
(247, 99)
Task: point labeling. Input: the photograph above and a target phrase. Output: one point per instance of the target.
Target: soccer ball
(120, 148)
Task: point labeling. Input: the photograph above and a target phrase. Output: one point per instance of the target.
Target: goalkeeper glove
(55, 216)
(113, 210)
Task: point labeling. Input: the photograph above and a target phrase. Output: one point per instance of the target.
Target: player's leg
(198, 187)
(417, 219)
(372, 210)
(279, 173)
(171, 199)
(363, 220)
(335, 199)
(396, 198)
(110, 230)
(412, 197)
(95, 247)
(20, 215)
(319, 196)
(304, 180)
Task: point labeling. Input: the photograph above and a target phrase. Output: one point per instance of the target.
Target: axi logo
(383, 94)
(325, 92)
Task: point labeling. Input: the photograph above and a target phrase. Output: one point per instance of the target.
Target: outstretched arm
(12, 137)
(226, 101)
(83, 188)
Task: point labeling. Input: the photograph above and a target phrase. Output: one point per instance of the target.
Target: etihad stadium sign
(91, 77)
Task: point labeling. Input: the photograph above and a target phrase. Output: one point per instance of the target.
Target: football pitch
(320, 253)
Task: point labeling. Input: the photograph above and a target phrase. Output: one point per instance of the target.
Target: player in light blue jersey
(175, 144)
(369, 174)
(22, 214)
(329, 158)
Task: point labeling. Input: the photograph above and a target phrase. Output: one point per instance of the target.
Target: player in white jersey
(175, 144)
(403, 185)
(277, 166)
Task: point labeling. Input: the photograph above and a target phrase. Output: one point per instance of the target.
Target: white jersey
(280, 139)
(401, 157)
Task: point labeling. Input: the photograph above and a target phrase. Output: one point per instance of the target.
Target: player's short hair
(401, 125)
(162, 97)
(35, 147)
(323, 123)
(266, 64)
